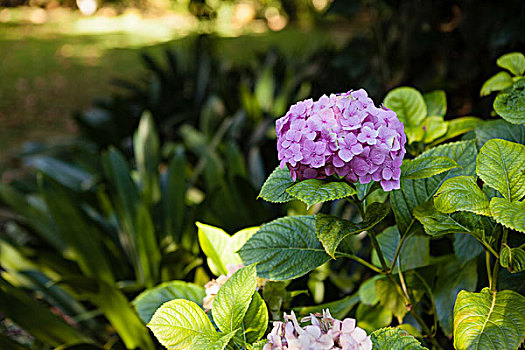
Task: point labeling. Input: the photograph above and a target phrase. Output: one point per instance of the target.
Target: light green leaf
(512, 258)
(339, 308)
(147, 302)
(367, 291)
(514, 62)
(212, 341)
(389, 297)
(410, 107)
(394, 339)
(371, 318)
(511, 105)
(461, 193)
(509, 214)
(146, 146)
(452, 277)
(255, 320)
(315, 191)
(489, 320)
(233, 299)
(274, 188)
(285, 248)
(178, 323)
(423, 167)
(220, 247)
(416, 192)
(434, 127)
(500, 129)
(501, 165)
(436, 102)
(332, 230)
(437, 223)
(497, 82)
(458, 126)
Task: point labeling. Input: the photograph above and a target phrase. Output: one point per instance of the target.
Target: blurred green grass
(49, 70)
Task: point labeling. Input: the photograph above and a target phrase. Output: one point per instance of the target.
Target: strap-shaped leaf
(461, 193)
(274, 188)
(512, 258)
(501, 165)
(151, 299)
(489, 320)
(331, 230)
(394, 339)
(285, 248)
(178, 323)
(497, 82)
(315, 191)
(511, 105)
(514, 62)
(423, 167)
(416, 192)
(233, 299)
(511, 215)
(437, 223)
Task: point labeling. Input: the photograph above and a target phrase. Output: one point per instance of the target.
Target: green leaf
(146, 146)
(212, 341)
(416, 192)
(410, 107)
(234, 298)
(394, 339)
(501, 165)
(371, 318)
(174, 196)
(434, 127)
(315, 191)
(512, 258)
(452, 277)
(221, 248)
(461, 193)
(437, 223)
(514, 62)
(423, 167)
(339, 308)
(178, 323)
(466, 247)
(511, 105)
(367, 291)
(500, 129)
(331, 230)
(458, 126)
(274, 188)
(436, 102)
(285, 248)
(509, 214)
(255, 320)
(147, 302)
(489, 320)
(497, 82)
(389, 297)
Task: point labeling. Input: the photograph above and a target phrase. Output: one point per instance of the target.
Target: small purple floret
(345, 135)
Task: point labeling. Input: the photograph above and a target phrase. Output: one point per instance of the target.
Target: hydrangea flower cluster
(344, 134)
(324, 333)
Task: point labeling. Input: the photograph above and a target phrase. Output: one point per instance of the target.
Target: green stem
(487, 263)
(361, 261)
(495, 276)
(398, 249)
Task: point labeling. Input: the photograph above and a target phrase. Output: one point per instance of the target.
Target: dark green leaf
(423, 167)
(151, 299)
(367, 291)
(461, 193)
(339, 308)
(331, 230)
(466, 247)
(489, 320)
(436, 102)
(274, 188)
(315, 191)
(285, 248)
(500, 129)
(394, 339)
(511, 106)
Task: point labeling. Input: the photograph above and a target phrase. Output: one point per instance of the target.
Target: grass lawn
(49, 70)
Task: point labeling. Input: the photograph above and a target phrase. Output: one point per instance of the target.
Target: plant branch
(361, 261)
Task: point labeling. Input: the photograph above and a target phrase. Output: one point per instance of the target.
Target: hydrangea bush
(428, 213)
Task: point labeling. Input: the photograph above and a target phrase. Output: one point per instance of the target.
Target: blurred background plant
(98, 207)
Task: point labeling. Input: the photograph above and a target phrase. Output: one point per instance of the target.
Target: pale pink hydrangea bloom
(323, 333)
(343, 134)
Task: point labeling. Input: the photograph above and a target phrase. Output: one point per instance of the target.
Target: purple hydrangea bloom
(342, 134)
